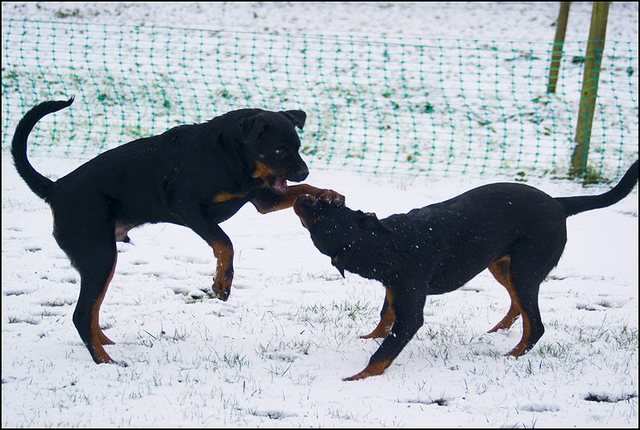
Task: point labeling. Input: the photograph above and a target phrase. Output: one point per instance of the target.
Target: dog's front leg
(266, 201)
(222, 250)
(409, 319)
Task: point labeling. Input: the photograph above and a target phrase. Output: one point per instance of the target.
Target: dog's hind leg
(532, 327)
(102, 338)
(387, 318)
(528, 270)
(96, 269)
(92, 250)
(501, 270)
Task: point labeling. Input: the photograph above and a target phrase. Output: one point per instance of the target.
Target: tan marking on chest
(225, 197)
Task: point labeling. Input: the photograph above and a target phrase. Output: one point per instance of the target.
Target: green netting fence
(375, 103)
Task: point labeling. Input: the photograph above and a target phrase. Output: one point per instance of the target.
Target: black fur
(515, 230)
(195, 175)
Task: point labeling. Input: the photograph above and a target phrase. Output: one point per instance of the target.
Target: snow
(490, 21)
(274, 355)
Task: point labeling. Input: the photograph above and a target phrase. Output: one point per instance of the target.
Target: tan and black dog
(196, 176)
(516, 231)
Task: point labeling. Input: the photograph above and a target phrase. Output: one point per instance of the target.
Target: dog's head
(335, 229)
(272, 145)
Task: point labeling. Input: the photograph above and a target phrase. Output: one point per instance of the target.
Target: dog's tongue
(279, 186)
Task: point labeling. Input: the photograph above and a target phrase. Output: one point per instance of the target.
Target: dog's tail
(38, 183)
(575, 205)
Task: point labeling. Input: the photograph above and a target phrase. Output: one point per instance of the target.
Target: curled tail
(575, 205)
(39, 184)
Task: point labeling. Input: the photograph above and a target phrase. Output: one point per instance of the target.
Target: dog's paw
(332, 197)
(374, 335)
(221, 290)
(221, 295)
(221, 287)
(359, 376)
(374, 368)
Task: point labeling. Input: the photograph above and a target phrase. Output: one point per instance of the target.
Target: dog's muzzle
(300, 175)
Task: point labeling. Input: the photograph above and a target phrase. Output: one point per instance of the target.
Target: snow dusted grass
(275, 353)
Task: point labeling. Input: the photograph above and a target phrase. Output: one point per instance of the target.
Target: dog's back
(468, 232)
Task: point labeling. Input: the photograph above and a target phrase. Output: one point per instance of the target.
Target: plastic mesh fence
(380, 103)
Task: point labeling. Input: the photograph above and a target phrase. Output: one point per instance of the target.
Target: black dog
(196, 176)
(515, 230)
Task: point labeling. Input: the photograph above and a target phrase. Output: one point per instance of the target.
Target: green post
(593, 61)
(558, 42)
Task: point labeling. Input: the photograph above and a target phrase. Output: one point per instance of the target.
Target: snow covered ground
(275, 353)
(490, 21)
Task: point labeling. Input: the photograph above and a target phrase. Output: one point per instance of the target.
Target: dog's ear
(251, 128)
(297, 117)
(370, 221)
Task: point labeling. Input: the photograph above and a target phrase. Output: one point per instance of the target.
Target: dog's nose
(300, 175)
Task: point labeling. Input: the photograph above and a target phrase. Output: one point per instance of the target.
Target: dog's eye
(280, 153)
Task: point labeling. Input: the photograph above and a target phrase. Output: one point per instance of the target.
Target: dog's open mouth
(278, 185)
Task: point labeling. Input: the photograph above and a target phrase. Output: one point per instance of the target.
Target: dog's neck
(234, 158)
(234, 150)
(369, 257)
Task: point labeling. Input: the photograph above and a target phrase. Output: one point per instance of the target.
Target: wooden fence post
(589, 93)
(558, 42)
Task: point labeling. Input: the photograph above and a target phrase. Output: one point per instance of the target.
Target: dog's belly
(453, 277)
(459, 264)
(448, 252)
(129, 216)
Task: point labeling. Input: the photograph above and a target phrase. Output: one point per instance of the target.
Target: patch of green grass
(590, 176)
(234, 360)
(67, 13)
(354, 311)
(553, 350)
(17, 320)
